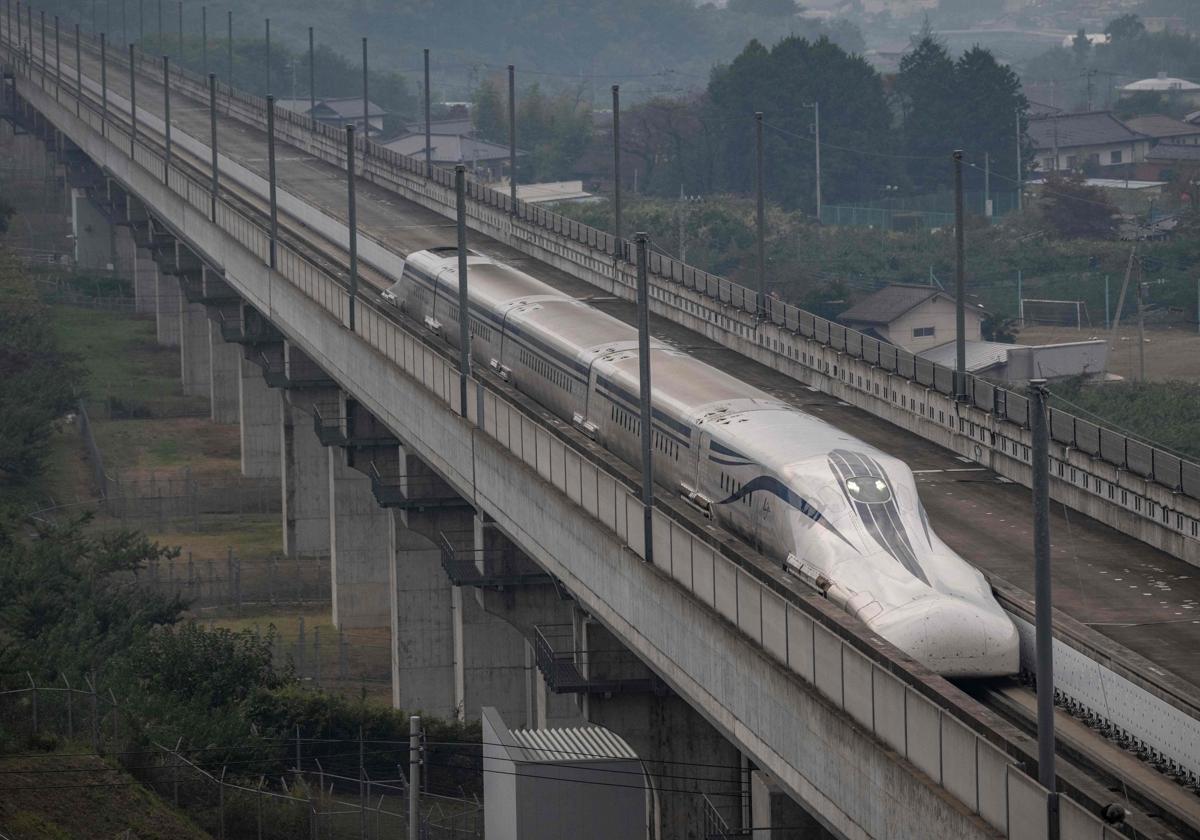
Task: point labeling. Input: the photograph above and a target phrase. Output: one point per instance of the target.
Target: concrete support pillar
(127, 268)
(776, 816)
(667, 734)
(304, 476)
(92, 231)
(167, 304)
(259, 418)
(423, 639)
(194, 363)
(145, 282)
(361, 548)
(225, 366)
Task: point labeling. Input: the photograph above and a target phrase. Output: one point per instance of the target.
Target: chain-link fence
(302, 799)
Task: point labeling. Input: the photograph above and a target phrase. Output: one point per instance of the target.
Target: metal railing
(489, 568)
(569, 670)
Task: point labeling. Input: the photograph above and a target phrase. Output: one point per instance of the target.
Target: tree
(992, 111)
(784, 82)
(1081, 46)
(1075, 210)
(927, 91)
(489, 115)
(40, 382)
(1125, 28)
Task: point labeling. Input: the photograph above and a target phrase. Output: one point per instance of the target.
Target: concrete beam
(167, 304)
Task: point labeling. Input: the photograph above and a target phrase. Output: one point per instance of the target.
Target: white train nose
(953, 637)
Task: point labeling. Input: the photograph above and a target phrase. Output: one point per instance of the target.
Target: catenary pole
(78, 71)
(103, 83)
(512, 137)
(312, 73)
(616, 130)
(271, 180)
(229, 48)
(464, 321)
(204, 40)
(366, 108)
(353, 214)
(179, 7)
(212, 123)
(960, 284)
(1043, 607)
(133, 122)
(642, 241)
(428, 138)
(268, 43)
(760, 215)
(166, 118)
(817, 134)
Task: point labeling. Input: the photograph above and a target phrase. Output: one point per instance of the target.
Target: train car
(840, 515)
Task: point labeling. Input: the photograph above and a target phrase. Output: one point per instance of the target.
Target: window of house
(1048, 164)
(923, 332)
(1072, 161)
(1115, 157)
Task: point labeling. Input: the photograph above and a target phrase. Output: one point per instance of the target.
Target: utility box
(580, 782)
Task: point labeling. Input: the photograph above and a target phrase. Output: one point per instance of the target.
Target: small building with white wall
(912, 317)
(582, 782)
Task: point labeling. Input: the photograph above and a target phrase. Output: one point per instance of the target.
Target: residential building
(1095, 139)
(1172, 162)
(1163, 129)
(487, 161)
(339, 111)
(913, 317)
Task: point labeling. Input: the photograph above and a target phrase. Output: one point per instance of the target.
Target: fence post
(221, 805)
(116, 720)
(95, 715)
(70, 709)
(237, 584)
(343, 670)
(272, 570)
(35, 702)
(300, 649)
(317, 654)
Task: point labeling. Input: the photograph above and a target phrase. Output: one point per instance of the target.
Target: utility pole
(760, 215)
(1043, 606)
(366, 108)
(987, 184)
(1116, 321)
(1141, 294)
(353, 213)
(464, 319)
(268, 42)
(512, 137)
(312, 74)
(616, 129)
(1107, 316)
(817, 133)
(414, 778)
(1020, 167)
(1020, 300)
(682, 258)
(271, 180)
(167, 119)
(212, 125)
(960, 284)
(428, 134)
(644, 392)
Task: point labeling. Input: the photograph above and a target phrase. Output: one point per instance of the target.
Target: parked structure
(339, 111)
(1071, 141)
(1018, 363)
(543, 784)
(913, 317)
(1180, 90)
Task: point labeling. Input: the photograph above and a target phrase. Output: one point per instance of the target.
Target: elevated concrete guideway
(979, 512)
(724, 656)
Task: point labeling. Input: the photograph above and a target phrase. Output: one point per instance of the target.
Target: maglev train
(837, 513)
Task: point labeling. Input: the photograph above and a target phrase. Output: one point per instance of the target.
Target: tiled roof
(1096, 128)
(1159, 126)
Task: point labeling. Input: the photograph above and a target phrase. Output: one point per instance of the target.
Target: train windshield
(868, 489)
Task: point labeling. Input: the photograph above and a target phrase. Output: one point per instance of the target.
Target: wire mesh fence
(235, 800)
